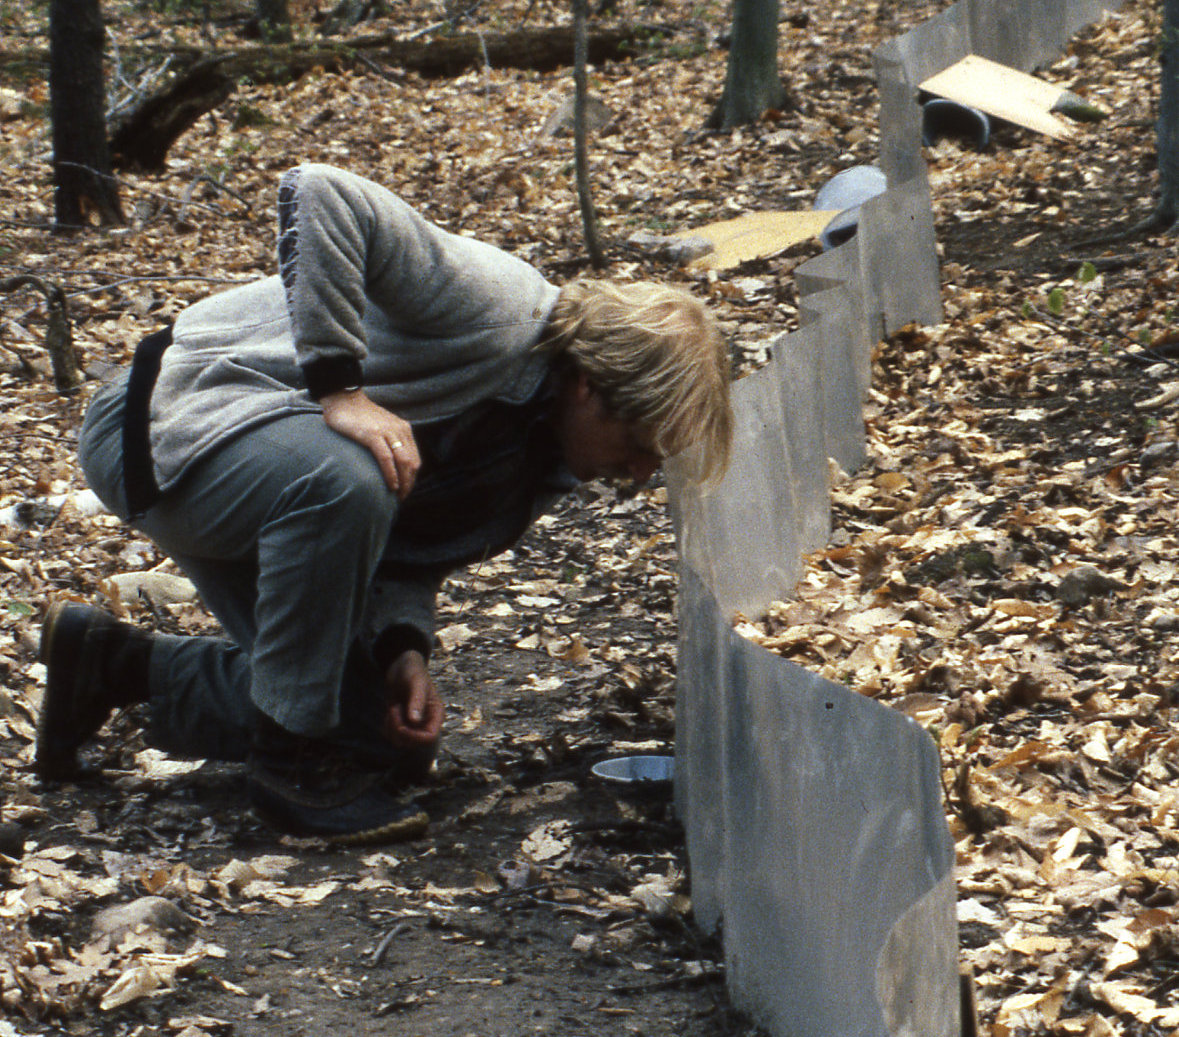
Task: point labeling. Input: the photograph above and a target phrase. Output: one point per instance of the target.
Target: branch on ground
(142, 137)
(59, 340)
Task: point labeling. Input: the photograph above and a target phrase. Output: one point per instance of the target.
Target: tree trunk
(274, 20)
(752, 84)
(1167, 214)
(589, 219)
(84, 190)
(349, 13)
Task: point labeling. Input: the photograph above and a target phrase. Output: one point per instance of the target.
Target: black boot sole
(367, 814)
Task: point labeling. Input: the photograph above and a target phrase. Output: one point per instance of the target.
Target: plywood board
(1002, 92)
(756, 235)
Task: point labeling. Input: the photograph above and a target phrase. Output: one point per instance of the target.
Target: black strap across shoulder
(139, 479)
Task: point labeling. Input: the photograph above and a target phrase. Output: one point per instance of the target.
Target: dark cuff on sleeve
(328, 374)
(392, 642)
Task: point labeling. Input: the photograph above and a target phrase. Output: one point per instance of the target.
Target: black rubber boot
(307, 787)
(95, 665)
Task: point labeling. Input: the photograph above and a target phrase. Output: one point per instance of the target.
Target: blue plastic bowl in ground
(635, 773)
(846, 192)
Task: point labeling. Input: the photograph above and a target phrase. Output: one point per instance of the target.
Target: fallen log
(142, 137)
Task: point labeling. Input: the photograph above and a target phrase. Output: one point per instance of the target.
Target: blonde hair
(655, 355)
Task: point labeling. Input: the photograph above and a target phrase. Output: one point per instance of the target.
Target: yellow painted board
(1002, 92)
(756, 235)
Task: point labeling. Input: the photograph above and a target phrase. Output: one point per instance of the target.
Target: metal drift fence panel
(814, 819)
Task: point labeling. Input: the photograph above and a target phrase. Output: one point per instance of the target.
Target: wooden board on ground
(756, 235)
(1002, 92)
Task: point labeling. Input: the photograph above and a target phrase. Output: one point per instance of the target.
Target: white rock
(87, 504)
(1163, 619)
(157, 914)
(162, 588)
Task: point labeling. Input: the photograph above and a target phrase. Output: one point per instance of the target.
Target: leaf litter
(1002, 569)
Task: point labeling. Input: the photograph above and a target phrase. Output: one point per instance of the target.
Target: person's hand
(387, 437)
(415, 710)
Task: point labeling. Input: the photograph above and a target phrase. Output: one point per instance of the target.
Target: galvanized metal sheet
(813, 815)
(833, 829)
(898, 258)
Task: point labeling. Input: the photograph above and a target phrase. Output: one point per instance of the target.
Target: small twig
(624, 825)
(1114, 262)
(376, 69)
(156, 194)
(486, 74)
(116, 67)
(49, 437)
(204, 178)
(226, 189)
(1100, 263)
(153, 609)
(100, 272)
(524, 891)
(1165, 987)
(1156, 222)
(90, 169)
(386, 942)
(154, 277)
(33, 224)
(467, 590)
(671, 983)
(134, 91)
(1057, 324)
(454, 19)
(426, 30)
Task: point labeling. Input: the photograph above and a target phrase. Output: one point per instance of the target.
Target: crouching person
(317, 450)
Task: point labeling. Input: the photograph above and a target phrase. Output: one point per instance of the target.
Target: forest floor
(1003, 568)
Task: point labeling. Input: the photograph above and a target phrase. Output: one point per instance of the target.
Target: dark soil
(480, 956)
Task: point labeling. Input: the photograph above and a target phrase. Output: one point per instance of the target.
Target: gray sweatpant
(281, 531)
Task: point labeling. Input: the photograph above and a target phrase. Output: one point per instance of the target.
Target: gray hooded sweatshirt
(369, 293)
